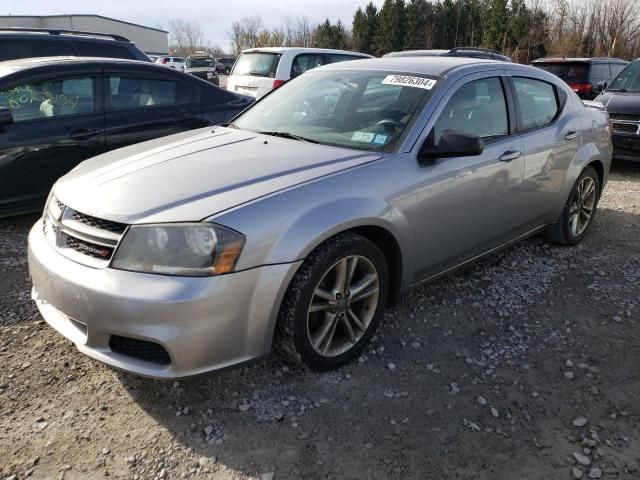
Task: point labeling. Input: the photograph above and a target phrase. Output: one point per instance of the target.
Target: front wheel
(579, 211)
(334, 303)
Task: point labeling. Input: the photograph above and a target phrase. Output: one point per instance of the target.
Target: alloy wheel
(582, 206)
(343, 305)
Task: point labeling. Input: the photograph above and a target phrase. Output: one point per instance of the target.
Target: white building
(152, 41)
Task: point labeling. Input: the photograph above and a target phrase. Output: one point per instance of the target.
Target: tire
(563, 232)
(298, 330)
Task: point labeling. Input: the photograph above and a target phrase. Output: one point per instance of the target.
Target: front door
(469, 205)
(57, 123)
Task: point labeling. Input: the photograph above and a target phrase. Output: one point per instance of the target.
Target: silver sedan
(297, 224)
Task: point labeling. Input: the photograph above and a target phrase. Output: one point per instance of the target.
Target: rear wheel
(579, 211)
(334, 303)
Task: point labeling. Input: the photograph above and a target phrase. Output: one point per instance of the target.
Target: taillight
(278, 83)
(581, 88)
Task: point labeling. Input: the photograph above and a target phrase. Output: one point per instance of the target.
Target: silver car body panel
(289, 196)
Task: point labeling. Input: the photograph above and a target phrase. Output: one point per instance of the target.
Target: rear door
(145, 104)
(551, 132)
(58, 121)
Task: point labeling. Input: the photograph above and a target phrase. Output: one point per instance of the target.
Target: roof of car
(303, 50)
(12, 66)
(427, 65)
(578, 59)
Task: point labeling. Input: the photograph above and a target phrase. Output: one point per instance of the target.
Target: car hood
(194, 175)
(621, 102)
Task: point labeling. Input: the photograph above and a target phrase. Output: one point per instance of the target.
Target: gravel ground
(526, 365)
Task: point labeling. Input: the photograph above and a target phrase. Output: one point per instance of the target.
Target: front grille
(624, 116)
(108, 225)
(91, 249)
(625, 127)
(140, 349)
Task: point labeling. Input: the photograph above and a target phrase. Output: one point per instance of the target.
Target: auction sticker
(365, 137)
(408, 81)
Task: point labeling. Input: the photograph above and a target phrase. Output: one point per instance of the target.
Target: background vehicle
(358, 181)
(622, 100)
(173, 62)
(260, 70)
(202, 66)
(53, 115)
(583, 74)
(29, 42)
(470, 52)
(225, 64)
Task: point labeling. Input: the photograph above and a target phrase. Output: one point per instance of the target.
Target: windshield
(628, 79)
(199, 62)
(570, 72)
(367, 110)
(259, 64)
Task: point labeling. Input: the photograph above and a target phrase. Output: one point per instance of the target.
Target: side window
(338, 57)
(616, 68)
(91, 49)
(53, 98)
(305, 62)
(537, 100)
(478, 108)
(34, 48)
(599, 72)
(140, 92)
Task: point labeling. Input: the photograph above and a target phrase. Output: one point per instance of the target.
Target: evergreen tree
(365, 27)
(390, 34)
(496, 30)
(418, 16)
(327, 35)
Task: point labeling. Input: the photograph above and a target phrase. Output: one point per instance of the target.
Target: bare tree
(186, 36)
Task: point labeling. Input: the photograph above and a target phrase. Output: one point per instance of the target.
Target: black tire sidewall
(318, 267)
(570, 237)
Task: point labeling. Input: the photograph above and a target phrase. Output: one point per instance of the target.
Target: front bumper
(204, 324)
(626, 146)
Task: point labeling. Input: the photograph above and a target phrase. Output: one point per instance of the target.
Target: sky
(215, 16)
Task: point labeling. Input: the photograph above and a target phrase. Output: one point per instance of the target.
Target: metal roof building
(150, 40)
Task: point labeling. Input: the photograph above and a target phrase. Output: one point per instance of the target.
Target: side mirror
(452, 144)
(601, 87)
(6, 117)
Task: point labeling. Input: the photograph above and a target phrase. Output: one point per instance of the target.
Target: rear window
(88, 49)
(199, 62)
(570, 72)
(13, 48)
(257, 64)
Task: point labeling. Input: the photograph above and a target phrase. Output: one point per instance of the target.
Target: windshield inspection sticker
(380, 139)
(406, 81)
(364, 137)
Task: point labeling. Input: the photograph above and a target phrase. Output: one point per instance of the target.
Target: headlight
(188, 249)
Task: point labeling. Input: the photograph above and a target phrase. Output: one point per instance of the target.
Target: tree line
(523, 29)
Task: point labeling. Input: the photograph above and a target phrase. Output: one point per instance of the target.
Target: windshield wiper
(230, 125)
(290, 136)
(623, 90)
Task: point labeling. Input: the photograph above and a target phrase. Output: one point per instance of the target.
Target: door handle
(571, 135)
(510, 155)
(83, 134)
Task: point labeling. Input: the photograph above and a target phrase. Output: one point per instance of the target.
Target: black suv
(39, 42)
(57, 112)
(585, 76)
(470, 52)
(622, 100)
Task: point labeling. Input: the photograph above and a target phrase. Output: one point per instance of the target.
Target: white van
(260, 70)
